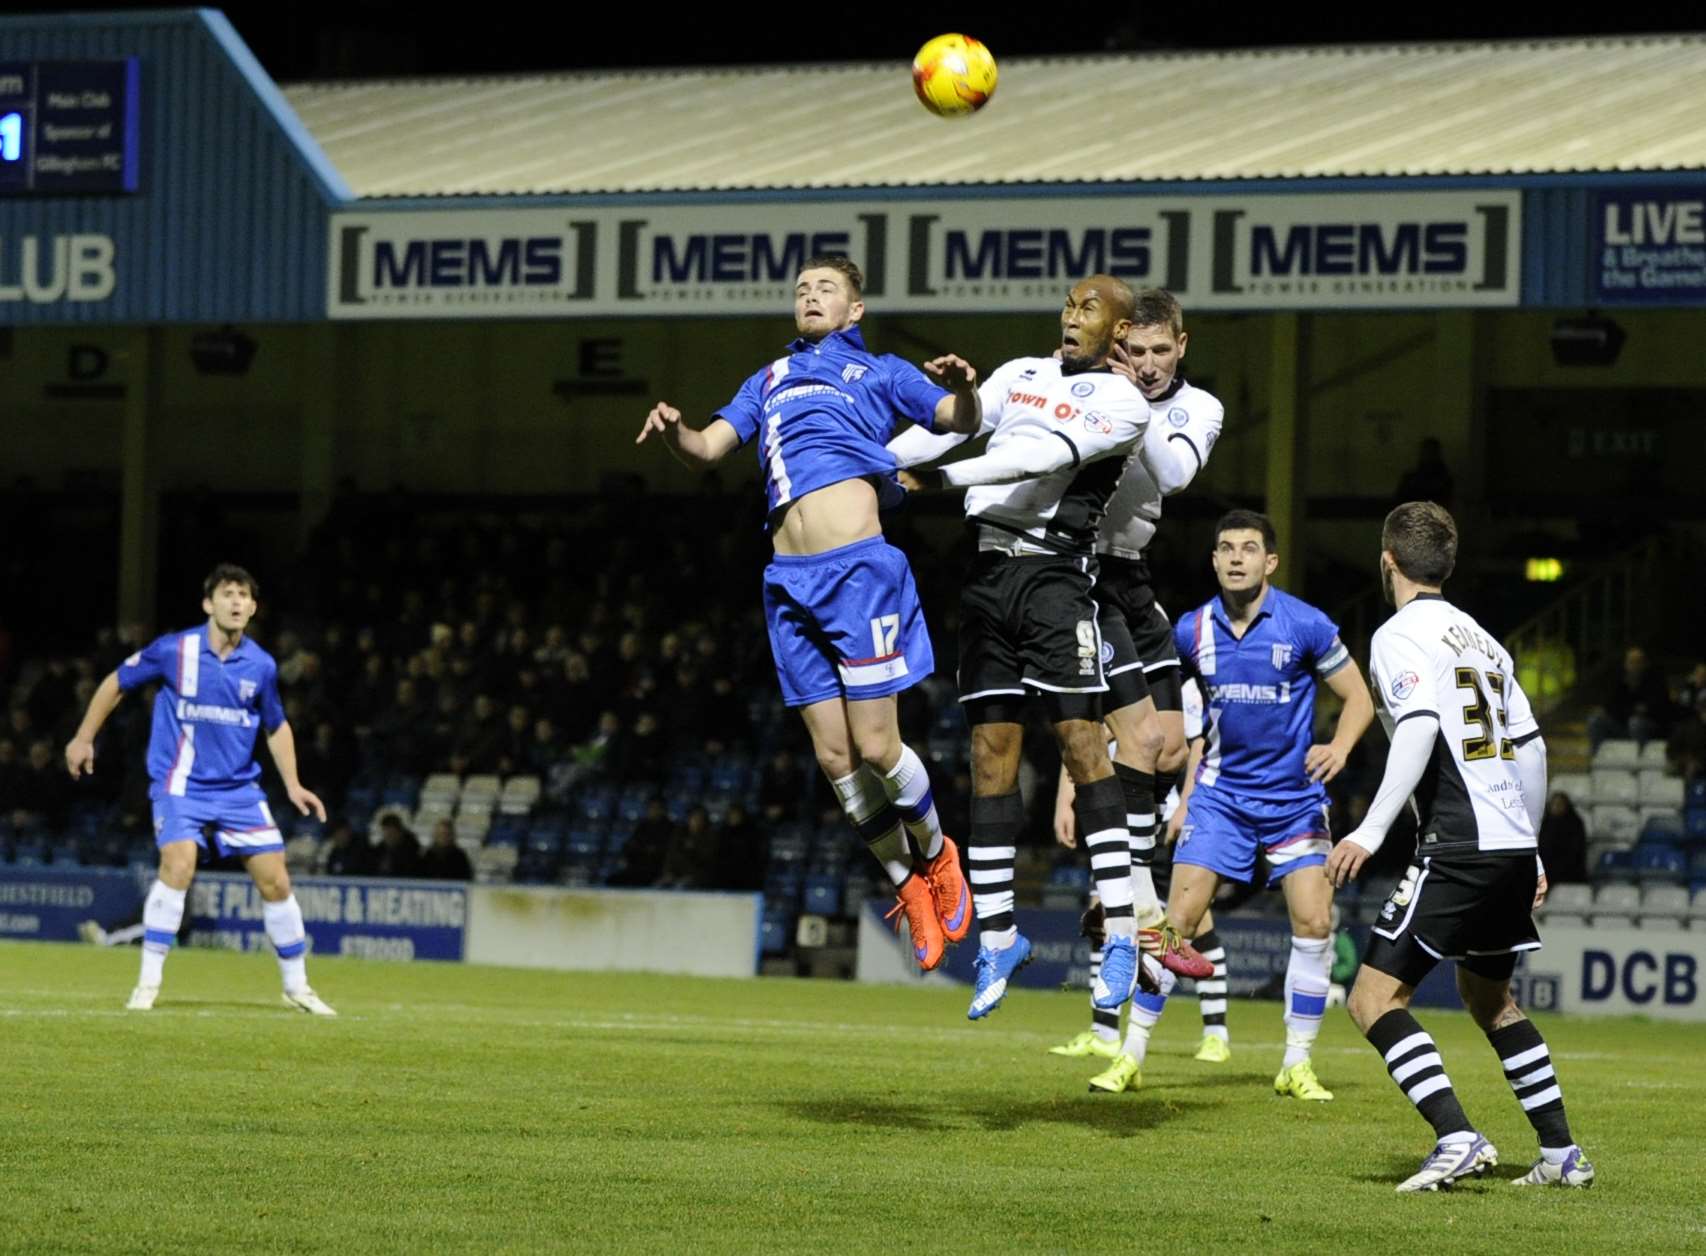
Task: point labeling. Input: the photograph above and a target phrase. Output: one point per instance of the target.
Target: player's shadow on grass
(1117, 1116)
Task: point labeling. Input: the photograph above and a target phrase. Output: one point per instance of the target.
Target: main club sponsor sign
(1371, 251)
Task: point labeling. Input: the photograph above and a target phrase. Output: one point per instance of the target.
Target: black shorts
(1028, 626)
(1477, 909)
(1138, 653)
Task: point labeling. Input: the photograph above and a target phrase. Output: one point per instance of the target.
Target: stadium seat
(1653, 754)
(1696, 792)
(1697, 907)
(520, 794)
(507, 831)
(1694, 823)
(584, 842)
(1617, 753)
(1616, 822)
(1578, 785)
(631, 805)
(598, 803)
(400, 791)
(299, 853)
(1616, 905)
(481, 789)
(472, 828)
(495, 864)
(442, 785)
(1615, 863)
(1660, 789)
(1661, 824)
(1664, 907)
(32, 853)
(1572, 897)
(823, 895)
(1616, 785)
(1660, 862)
(776, 929)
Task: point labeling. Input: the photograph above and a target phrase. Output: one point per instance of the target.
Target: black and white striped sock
(1100, 808)
(996, 824)
(1413, 1061)
(1104, 1022)
(1528, 1069)
(1139, 790)
(1211, 994)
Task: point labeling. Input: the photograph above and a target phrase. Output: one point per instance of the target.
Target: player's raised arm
(960, 411)
(80, 750)
(695, 447)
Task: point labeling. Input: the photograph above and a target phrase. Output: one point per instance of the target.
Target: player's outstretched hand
(306, 801)
(1540, 887)
(80, 758)
(1324, 762)
(1346, 862)
(1175, 824)
(952, 372)
(664, 419)
(1065, 826)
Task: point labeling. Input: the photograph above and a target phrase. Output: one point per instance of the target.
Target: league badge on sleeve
(1404, 685)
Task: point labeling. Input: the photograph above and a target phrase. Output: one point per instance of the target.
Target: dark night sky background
(374, 38)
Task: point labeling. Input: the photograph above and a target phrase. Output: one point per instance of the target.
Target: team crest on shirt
(1107, 653)
(1405, 685)
(1282, 656)
(853, 372)
(246, 690)
(1096, 421)
(1178, 416)
(1083, 388)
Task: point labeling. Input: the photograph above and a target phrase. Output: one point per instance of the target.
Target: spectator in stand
(10, 772)
(516, 742)
(444, 860)
(399, 853)
(1693, 689)
(327, 760)
(370, 691)
(779, 789)
(480, 741)
(344, 853)
(1686, 749)
(1563, 841)
(578, 698)
(43, 792)
(649, 845)
(546, 749)
(743, 852)
(692, 860)
(1638, 704)
(1430, 479)
(401, 733)
(646, 754)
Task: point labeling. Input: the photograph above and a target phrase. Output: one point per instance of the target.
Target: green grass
(474, 1109)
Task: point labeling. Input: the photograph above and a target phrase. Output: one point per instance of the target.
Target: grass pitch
(472, 1109)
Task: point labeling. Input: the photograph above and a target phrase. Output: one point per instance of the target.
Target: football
(954, 75)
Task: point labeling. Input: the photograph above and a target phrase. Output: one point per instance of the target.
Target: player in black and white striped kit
(1466, 745)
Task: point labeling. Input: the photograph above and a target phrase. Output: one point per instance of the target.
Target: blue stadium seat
(598, 803)
(1661, 829)
(1697, 792)
(1614, 864)
(777, 930)
(616, 840)
(789, 843)
(1697, 864)
(401, 790)
(730, 774)
(1694, 821)
(1654, 862)
(634, 801)
(1070, 876)
(783, 884)
(32, 852)
(823, 895)
(584, 842)
(507, 831)
(676, 806)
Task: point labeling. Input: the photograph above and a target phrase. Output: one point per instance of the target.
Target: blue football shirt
(825, 412)
(1259, 693)
(207, 712)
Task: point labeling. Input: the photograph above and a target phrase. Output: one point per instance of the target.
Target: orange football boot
(916, 900)
(948, 884)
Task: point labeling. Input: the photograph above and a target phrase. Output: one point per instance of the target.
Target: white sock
(866, 806)
(908, 787)
(290, 940)
(1305, 995)
(162, 913)
(1145, 906)
(1555, 1155)
(1146, 1010)
(997, 939)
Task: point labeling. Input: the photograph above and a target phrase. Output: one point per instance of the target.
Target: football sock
(1100, 808)
(1305, 995)
(162, 913)
(1146, 1010)
(908, 787)
(1413, 1061)
(1211, 994)
(1139, 790)
(284, 926)
(874, 818)
(1528, 1069)
(996, 823)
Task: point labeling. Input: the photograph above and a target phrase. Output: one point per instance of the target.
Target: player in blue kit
(1253, 801)
(845, 624)
(217, 690)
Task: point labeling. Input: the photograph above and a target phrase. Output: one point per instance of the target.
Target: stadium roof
(1531, 107)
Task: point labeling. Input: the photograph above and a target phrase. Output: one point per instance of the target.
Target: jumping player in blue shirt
(846, 628)
(1253, 803)
(217, 690)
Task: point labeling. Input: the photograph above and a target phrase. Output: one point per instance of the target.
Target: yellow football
(954, 75)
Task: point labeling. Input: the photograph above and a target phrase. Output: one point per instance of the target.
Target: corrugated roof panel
(1567, 105)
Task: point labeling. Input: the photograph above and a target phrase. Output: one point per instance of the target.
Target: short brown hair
(841, 265)
(1156, 307)
(1422, 539)
(230, 573)
(1248, 521)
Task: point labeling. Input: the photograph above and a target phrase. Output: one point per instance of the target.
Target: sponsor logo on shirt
(1035, 400)
(207, 713)
(1405, 685)
(1178, 416)
(1083, 388)
(1241, 691)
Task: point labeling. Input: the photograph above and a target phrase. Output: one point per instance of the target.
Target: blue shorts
(1225, 835)
(242, 822)
(845, 623)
